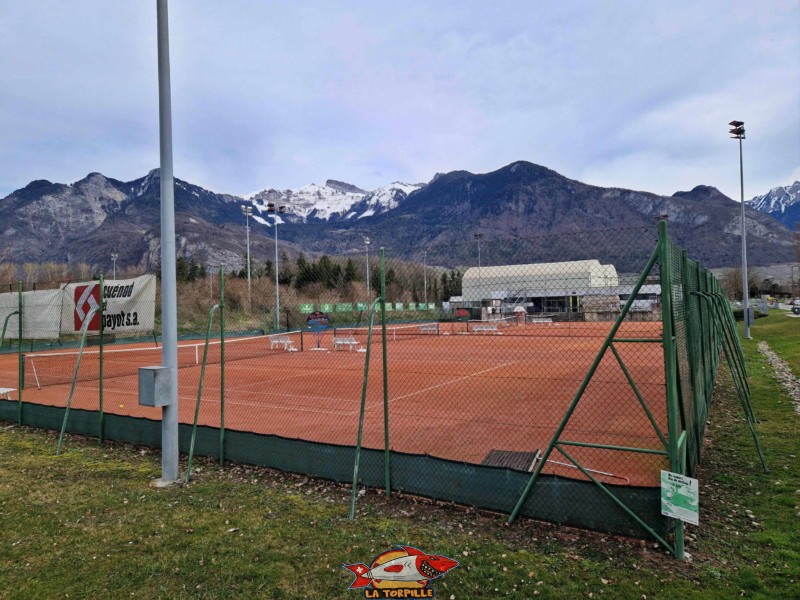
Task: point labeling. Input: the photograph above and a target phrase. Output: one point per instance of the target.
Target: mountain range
(88, 220)
(782, 203)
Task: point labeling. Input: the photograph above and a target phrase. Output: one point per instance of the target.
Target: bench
(485, 329)
(348, 342)
(540, 320)
(281, 341)
(428, 327)
(7, 392)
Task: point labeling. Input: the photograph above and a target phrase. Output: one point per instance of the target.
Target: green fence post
(694, 357)
(84, 331)
(222, 364)
(200, 393)
(387, 452)
(670, 369)
(365, 381)
(102, 425)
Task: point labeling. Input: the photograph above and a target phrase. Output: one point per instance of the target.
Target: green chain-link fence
(552, 377)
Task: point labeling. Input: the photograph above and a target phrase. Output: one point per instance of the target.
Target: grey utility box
(154, 386)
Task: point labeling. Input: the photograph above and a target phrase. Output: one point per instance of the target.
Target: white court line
(438, 385)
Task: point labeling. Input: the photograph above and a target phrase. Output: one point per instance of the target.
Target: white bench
(540, 320)
(485, 329)
(347, 342)
(281, 341)
(7, 392)
(427, 327)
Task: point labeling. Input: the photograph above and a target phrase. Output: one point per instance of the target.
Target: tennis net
(56, 368)
(393, 332)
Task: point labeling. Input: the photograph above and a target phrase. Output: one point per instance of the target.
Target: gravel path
(783, 373)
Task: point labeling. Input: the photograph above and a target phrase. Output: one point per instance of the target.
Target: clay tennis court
(455, 393)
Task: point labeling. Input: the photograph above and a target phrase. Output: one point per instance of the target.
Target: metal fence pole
(222, 364)
(20, 359)
(670, 369)
(387, 453)
(170, 452)
(101, 432)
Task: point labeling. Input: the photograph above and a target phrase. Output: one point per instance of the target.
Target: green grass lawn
(86, 524)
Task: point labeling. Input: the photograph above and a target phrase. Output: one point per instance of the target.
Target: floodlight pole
(366, 245)
(169, 309)
(425, 274)
(738, 133)
(248, 211)
(114, 257)
(479, 237)
(275, 210)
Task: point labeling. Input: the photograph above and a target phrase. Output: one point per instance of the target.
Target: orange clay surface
(456, 395)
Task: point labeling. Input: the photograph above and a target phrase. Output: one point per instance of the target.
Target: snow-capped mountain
(385, 198)
(90, 219)
(782, 202)
(333, 201)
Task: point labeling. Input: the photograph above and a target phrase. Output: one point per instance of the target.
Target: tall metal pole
(745, 286)
(248, 210)
(425, 274)
(366, 245)
(738, 133)
(114, 257)
(277, 287)
(169, 307)
(479, 237)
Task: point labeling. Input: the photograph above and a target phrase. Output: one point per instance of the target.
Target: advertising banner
(130, 306)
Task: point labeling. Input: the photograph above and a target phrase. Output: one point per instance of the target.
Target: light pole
(737, 133)
(425, 274)
(276, 210)
(479, 237)
(248, 212)
(114, 257)
(366, 245)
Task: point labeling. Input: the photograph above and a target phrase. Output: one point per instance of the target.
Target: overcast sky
(281, 94)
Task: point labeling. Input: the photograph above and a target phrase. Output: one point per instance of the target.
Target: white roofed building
(574, 278)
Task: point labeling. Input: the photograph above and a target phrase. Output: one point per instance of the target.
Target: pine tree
(285, 275)
(269, 270)
(445, 287)
(181, 269)
(350, 271)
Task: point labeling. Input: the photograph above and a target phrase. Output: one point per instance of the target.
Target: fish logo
(402, 568)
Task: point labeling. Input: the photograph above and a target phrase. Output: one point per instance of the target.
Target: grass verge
(86, 524)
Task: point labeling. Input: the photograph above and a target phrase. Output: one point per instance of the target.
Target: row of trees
(404, 280)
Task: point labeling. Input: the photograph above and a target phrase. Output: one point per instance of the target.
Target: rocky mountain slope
(89, 219)
(782, 203)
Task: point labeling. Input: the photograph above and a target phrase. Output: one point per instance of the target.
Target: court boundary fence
(697, 329)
